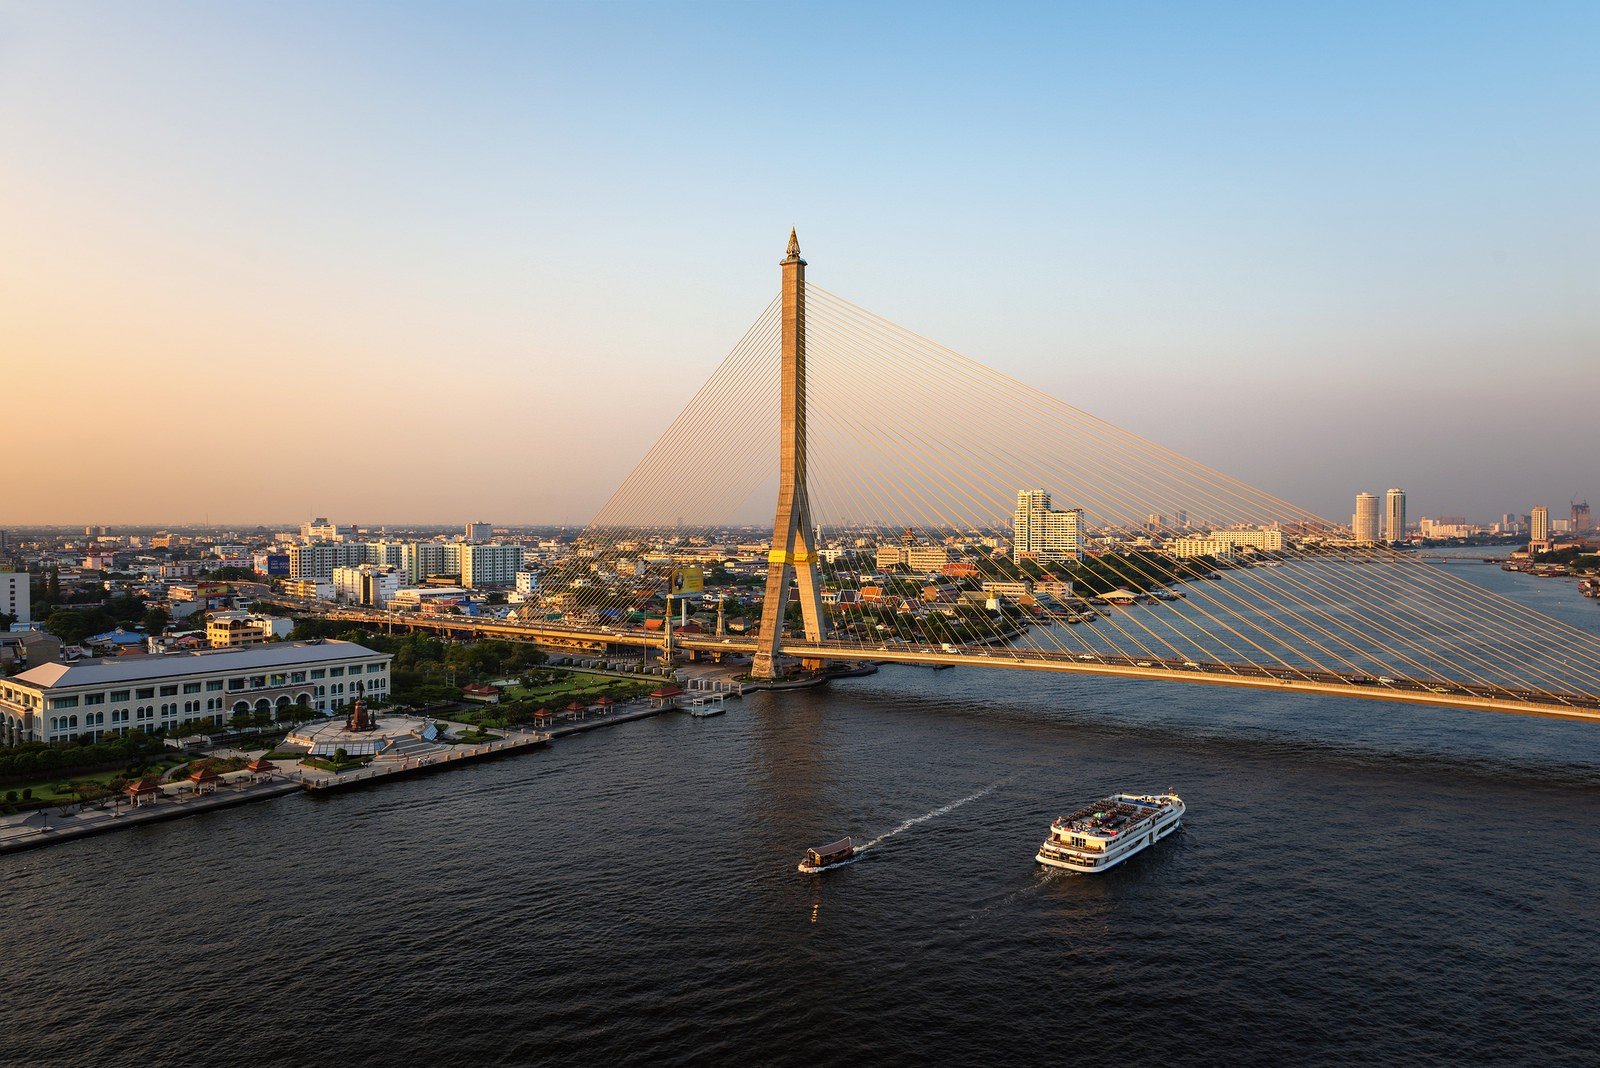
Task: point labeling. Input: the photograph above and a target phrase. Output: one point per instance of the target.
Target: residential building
(1226, 542)
(16, 596)
(93, 698)
(1364, 524)
(489, 565)
(913, 557)
(425, 559)
(1039, 532)
(1451, 526)
(309, 589)
(1008, 589)
(318, 559)
(1394, 516)
(1539, 526)
(371, 584)
(479, 532)
(232, 630)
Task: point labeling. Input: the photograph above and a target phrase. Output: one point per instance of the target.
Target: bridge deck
(1281, 680)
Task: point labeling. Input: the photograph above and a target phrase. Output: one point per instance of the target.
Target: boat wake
(926, 816)
(1040, 880)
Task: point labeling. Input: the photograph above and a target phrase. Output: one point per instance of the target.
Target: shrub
(11, 795)
(27, 793)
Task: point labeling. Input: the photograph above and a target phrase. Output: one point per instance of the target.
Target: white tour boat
(1108, 832)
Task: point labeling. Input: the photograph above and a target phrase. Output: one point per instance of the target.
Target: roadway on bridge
(1295, 680)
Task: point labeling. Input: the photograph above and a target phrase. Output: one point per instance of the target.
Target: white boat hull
(1052, 855)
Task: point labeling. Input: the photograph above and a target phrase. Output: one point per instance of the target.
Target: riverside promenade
(55, 824)
(48, 826)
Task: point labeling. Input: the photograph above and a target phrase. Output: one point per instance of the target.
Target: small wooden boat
(828, 856)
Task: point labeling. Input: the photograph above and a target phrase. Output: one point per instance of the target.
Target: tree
(72, 625)
(155, 620)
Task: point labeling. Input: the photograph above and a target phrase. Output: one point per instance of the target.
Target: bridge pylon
(793, 556)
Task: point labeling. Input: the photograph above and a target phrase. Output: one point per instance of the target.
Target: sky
(392, 262)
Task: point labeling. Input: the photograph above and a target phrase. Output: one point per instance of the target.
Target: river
(1356, 882)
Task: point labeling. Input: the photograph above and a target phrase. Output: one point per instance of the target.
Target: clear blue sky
(1327, 248)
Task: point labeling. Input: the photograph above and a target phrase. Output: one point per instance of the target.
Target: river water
(1356, 882)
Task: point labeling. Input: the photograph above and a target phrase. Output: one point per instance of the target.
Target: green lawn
(47, 789)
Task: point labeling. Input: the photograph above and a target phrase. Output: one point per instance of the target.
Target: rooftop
(108, 672)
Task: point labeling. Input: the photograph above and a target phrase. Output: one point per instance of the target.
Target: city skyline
(1279, 212)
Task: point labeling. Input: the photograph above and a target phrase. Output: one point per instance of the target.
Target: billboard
(687, 580)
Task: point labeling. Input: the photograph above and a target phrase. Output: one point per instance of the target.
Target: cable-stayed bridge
(931, 510)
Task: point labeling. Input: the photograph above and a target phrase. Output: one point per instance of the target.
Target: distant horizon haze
(370, 262)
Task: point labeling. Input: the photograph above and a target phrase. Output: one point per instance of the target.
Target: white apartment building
(317, 560)
(373, 584)
(16, 596)
(95, 698)
(489, 565)
(1039, 532)
(425, 559)
(478, 532)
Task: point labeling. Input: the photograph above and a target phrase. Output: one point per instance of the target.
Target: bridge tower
(793, 556)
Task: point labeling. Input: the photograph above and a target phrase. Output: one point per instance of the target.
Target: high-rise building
(1539, 525)
(490, 565)
(318, 560)
(425, 559)
(1043, 533)
(1394, 516)
(15, 595)
(479, 532)
(1581, 521)
(1364, 524)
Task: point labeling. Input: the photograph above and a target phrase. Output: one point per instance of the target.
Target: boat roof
(833, 847)
(1110, 816)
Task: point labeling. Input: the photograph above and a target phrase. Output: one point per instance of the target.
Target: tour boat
(1108, 832)
(828, 856)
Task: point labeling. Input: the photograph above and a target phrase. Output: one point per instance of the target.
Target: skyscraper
(1539, 525)
(1394, 516)
(1364, 524)
(1581, 521)
(1042, 533)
